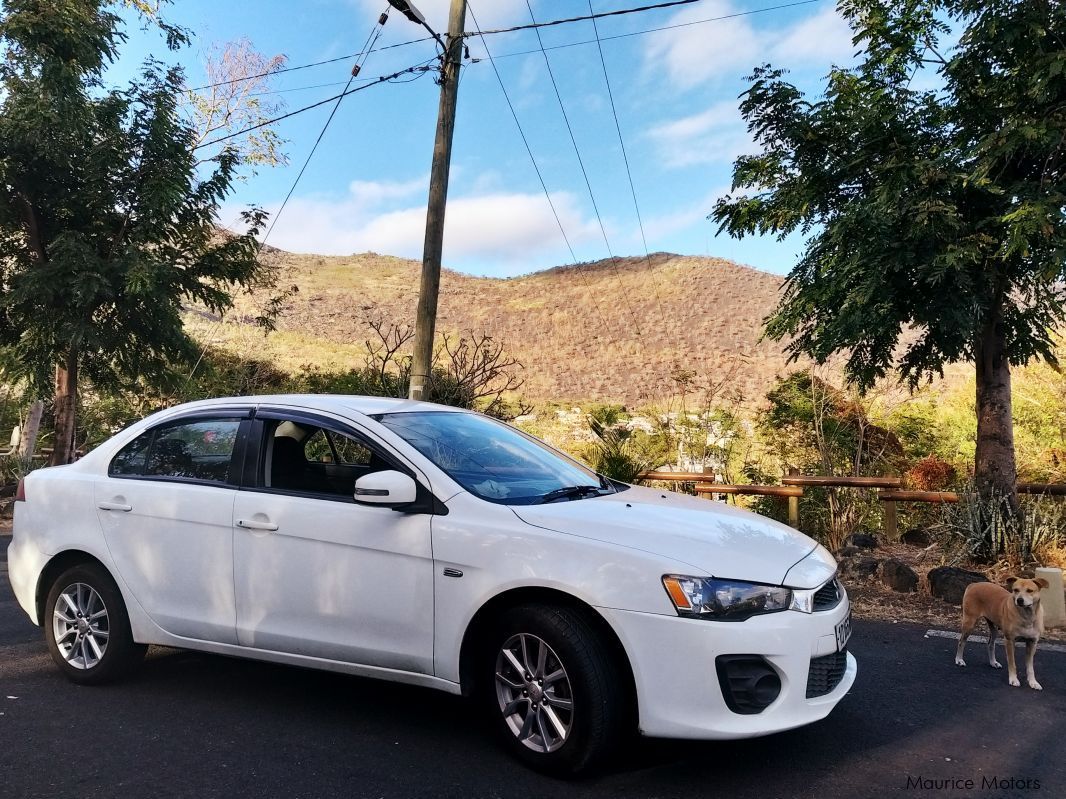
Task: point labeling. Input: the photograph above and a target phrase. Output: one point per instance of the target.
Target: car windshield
(494, 461)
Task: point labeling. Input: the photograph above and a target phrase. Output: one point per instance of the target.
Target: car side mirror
(389, 488)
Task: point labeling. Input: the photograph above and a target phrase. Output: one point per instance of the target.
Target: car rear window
(200, 450)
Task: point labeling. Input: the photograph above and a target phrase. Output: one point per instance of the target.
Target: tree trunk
(28, 442)
(65, 408)
(995, 469)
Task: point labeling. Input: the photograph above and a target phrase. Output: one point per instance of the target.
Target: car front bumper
(678, 689)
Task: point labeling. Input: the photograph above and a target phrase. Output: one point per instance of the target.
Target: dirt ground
(871, 599)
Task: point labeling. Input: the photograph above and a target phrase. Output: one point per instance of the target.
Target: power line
(625, 160)
(305, 88)
(371, 40)
(368, 46)
(536, 25)
(421, 67)
(307, 66)
(544, 187)
(646, 31)
(524, 52)
(588, 183)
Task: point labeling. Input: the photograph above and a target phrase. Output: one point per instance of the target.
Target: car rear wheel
(557, 694)
(87, 628)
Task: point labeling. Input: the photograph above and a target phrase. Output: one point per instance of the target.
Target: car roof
(322, 402)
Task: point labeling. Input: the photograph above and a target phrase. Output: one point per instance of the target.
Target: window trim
(238, 455)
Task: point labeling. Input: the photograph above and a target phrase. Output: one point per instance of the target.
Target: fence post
(1052, 597)
(891, 520)
(793, 504)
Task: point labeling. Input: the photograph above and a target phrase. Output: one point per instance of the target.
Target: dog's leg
(992, 647)
(967, 628)
(1030, 653)
(1012, 669)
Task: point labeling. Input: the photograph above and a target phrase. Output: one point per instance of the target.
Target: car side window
(317, 448)
(350, 450)
(305, 458)
(200, 450)
(132, 457)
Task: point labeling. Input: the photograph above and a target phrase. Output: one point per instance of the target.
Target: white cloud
(375, 192)
(715, 135)
(695, 53)
(823, 38)
(728, 48)
(678, 219)
(510, 228)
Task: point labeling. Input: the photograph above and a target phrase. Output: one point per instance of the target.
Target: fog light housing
(749, 684)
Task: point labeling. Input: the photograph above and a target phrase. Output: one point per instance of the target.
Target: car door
(166, 508)
(317, 574)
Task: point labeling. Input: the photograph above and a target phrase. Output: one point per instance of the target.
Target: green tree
(107, 226)
(932, 209)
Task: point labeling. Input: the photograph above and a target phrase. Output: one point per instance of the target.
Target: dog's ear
(1010, 582)
(1041, 582)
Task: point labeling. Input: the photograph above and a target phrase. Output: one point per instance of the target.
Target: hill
(610, 330)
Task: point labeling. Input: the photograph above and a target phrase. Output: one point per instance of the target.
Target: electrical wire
(547, 194)
(625, 160)
(308, 66)
(421, 67)
(588, 185)
(508, 55)
(305, 88)
(371, 40)
(662, 28)
(620, 12)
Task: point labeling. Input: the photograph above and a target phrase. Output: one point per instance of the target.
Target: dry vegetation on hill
(608, 330)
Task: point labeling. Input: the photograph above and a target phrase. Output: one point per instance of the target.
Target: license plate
(843, 630)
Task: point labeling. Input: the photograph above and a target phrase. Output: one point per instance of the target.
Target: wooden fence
(890, 491)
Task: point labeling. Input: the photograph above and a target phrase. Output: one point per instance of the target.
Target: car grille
(826, 673)
(828, 596)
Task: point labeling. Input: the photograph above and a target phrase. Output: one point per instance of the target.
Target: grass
(601, 331)
(575, 329)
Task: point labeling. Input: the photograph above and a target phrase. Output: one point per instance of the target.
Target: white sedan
(437, 547)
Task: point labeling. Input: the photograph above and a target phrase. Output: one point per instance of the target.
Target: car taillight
(20, 492)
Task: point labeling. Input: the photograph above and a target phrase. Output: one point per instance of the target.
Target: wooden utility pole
(426, 320)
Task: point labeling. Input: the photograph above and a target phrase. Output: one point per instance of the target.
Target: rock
(916, 537)
(862, 541)
(898, 576)
(949, 583)
(863, 566)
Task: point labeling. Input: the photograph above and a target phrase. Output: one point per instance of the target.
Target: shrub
(931, 473)
(984, 530)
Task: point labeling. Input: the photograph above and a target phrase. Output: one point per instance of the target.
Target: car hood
(715, 539)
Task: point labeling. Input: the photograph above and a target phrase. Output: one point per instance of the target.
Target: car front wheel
(558, 696)
(87, 628)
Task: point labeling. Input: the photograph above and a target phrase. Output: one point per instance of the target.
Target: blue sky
(675, 91)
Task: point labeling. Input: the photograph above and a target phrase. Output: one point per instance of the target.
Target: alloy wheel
(80, 626)
(534, 693)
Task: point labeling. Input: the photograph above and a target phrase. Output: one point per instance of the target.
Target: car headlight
(724, 600)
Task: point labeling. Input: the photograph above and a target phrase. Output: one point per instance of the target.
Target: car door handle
(114, 506)
(253, 525)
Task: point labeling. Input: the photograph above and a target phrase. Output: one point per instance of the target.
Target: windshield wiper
(571, 492)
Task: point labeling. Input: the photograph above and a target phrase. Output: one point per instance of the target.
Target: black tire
(119, 654)
(601, 715)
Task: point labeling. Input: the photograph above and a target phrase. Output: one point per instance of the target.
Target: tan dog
(1016, 611)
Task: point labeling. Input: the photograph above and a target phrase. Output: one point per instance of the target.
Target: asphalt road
(204, 726)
